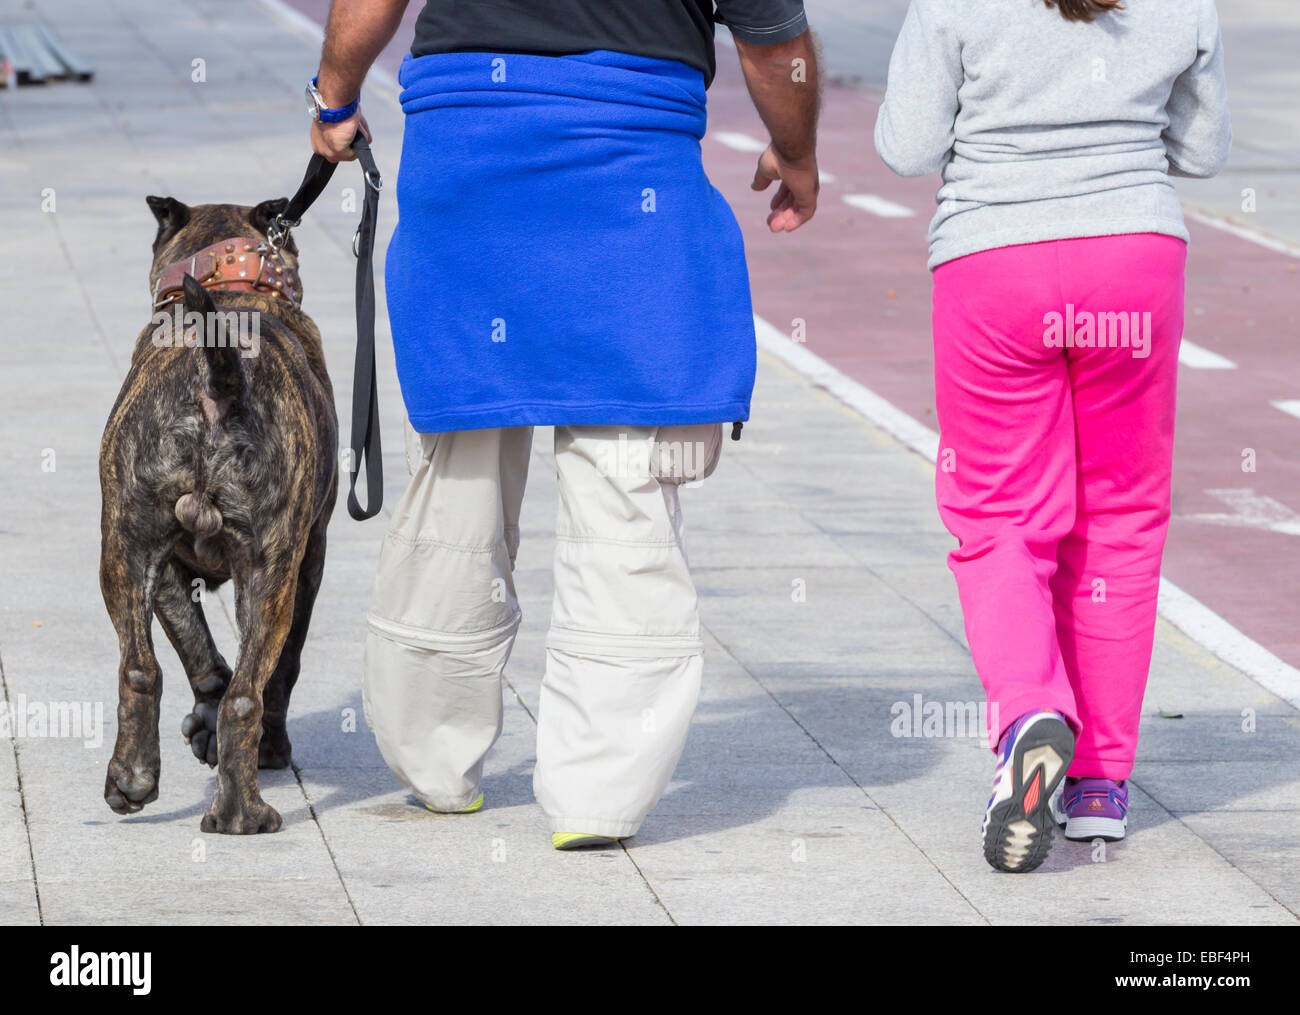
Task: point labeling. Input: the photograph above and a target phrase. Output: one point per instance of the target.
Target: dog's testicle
(198, 516)
(202, 518)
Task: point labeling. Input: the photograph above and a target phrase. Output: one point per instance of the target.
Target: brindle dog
(216, 465)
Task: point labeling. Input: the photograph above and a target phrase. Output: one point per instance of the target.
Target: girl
(1058, 252)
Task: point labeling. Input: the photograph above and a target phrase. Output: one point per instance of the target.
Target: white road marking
(1244, 232)
(1189, 615)
(1291, 407)
(748, 143)
(739, 142)
(893, 421)
(1208, 629)
(1250, 510)
(878, 206)
(1199, 358)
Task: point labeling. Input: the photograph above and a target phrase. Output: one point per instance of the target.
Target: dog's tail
(223, 374)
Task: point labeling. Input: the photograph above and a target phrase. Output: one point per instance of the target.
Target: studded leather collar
(239, 264)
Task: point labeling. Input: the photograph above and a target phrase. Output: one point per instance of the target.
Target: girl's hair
(1083, 10)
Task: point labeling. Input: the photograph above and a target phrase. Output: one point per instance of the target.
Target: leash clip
(278, 231)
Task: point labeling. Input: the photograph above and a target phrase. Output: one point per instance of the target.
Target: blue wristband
(327, 115)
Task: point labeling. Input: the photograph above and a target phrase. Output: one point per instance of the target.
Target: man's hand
(785, 85)
(357, 32)
(796, 199)
(334, 140)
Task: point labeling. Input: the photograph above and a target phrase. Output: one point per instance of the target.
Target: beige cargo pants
(623, 656)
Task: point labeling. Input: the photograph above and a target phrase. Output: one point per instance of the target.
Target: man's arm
(785, 85)
(357, 32)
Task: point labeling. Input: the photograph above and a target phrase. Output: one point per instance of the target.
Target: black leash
(365, 392)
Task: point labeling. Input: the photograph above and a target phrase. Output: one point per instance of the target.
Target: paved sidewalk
(816, 546)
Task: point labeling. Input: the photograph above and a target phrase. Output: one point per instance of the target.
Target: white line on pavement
(1189, 615)
(1244, 232)
(1250, 510)
(748, 143)
(1207, 628)
(878, 206)
(1290, 406)
(893, 421)
(1255, 508)
(1199, 358)
(739, 142)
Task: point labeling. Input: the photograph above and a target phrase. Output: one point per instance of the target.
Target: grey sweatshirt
(1050, 129)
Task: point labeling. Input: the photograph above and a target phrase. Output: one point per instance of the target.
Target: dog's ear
(171, 216)
(266, 211)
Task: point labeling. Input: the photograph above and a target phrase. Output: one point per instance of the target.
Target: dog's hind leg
(265, 589)
(275, 751)
(129, 585)
(181, 617)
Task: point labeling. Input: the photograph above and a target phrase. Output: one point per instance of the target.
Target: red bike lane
(857, 279)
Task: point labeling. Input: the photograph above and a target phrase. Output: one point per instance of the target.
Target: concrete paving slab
(846, 866)
(240, 901)
(17, 880)
(1162, 873)
(1251, 785)
(18, 907)
(405, 865)
(1260, 843)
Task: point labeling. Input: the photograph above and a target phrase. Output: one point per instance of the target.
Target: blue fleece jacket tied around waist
(560, 256)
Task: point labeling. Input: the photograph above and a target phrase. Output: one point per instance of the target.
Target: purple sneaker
(1093, 809)
(1032, 759)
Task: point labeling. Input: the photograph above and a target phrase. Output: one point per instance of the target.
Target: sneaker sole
(578, 840)
(1086, 829)
(1019, 832)
(472, 808)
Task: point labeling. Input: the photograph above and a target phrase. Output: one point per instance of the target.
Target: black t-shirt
(666, 29)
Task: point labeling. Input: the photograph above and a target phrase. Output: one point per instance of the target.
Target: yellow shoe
(577, 840)
(464, 810)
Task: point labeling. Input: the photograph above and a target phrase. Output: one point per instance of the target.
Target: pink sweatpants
(1054, 469)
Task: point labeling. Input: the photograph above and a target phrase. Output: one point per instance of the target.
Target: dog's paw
(128, 788)
(274, 750)
(256, 818)
(200, 731)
